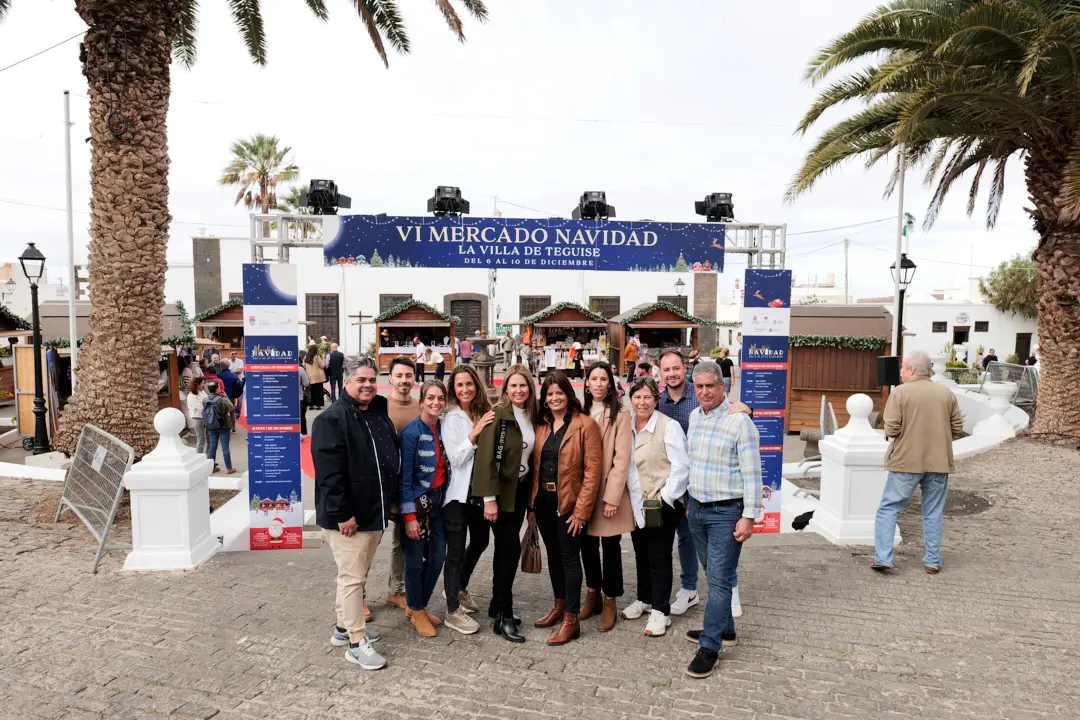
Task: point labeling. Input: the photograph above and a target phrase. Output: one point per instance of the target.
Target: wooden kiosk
(660, 324)
(552, 330)
(396, 328)
(223, 326)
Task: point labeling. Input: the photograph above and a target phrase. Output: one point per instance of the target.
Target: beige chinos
(353, 556)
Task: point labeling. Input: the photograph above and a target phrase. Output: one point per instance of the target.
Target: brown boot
(569, 630)
(553, 617)
(607, 618)
(591, 604)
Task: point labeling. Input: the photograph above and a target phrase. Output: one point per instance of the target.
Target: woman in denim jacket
(425, 475)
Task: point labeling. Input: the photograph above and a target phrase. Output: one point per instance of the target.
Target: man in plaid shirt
(725, 499)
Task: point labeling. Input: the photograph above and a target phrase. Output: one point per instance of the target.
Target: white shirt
(195, 402)
(435, 358)
(420, 350)
(528, 439)
(237, 366)
(456, 427)
(679, 479)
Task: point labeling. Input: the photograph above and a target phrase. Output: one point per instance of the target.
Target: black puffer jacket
(357, 466)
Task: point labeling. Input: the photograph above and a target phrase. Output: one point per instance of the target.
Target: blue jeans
(899, 488)
(688, 557)
(424, 557)
(222, 435)
(336, 382)
(713, 529)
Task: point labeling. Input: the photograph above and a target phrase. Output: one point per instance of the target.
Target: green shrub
(716, 352)
(1013, 359)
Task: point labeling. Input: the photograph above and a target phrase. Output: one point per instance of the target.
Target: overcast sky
(656, 103)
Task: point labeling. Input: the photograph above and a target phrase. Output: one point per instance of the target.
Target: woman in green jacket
(502, 480)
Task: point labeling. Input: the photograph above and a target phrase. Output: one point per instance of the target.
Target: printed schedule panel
(764, 380)
(272, 400)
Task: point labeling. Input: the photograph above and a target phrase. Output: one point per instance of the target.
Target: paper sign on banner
(272, 407)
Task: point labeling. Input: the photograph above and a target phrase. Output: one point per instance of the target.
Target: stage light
(716, 207)
(447, 201)
(324, 199)
(593, 206)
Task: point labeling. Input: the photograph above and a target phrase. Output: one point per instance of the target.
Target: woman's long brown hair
(480, 404)
(531, 408)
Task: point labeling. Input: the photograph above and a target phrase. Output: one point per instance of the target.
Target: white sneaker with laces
(658, 624)
(635, 610)
(736, 605)
(684, 600)
(365, 656)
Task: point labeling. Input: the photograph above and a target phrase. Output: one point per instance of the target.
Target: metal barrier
(95, 484)
(1026, 378)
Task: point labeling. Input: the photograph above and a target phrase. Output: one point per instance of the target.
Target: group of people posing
(452, 474)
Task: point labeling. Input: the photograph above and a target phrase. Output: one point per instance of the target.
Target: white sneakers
(684, 600)
(736, 606)
(635, 610)
(658, 624)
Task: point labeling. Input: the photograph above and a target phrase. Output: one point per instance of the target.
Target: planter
(939, 361)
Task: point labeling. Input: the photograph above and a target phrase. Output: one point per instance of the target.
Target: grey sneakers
(365, 656)
(340, 638)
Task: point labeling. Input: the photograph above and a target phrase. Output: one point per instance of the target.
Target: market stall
(660, 325)
(552, 331)
(222, 326)
(398, 326)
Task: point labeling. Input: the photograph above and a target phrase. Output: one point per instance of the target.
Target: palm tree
(126, 56)
(290, 201)
(962, 87)
(257, 166)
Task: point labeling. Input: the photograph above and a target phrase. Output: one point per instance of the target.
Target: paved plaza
(995, 635)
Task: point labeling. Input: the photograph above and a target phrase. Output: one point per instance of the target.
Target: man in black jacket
(355, 451)
(335, 370)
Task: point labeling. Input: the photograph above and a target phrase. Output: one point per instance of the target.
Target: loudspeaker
(888, 370)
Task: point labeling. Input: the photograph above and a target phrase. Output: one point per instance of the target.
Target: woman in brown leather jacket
(566, 470)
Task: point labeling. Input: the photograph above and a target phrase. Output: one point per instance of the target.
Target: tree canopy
(1010, 287)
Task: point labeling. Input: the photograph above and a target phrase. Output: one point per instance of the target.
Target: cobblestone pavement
(994, 635)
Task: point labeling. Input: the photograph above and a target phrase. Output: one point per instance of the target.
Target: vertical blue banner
(272, 407)
(764, 380)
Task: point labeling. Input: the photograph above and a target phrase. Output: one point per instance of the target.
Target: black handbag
(654, 513)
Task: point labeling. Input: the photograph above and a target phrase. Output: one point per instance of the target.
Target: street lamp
(33, 265)
(680, 287)
(907, 273)
(9, 288)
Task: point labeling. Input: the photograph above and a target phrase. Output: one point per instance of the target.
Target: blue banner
(272, 407)
(451, 242)
(764, 379)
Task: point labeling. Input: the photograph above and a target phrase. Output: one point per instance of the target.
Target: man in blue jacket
(356, 454)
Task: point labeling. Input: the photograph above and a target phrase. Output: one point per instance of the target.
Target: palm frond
(5, 5)
(318, 8)
(187, 21)
(997, 192)
(477, 9)
(453, 20)
(249, 20)
(849, 88)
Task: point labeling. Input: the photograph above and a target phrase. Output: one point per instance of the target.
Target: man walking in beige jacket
(921, 420)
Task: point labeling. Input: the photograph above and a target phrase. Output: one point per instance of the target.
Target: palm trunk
(1058, 289)
(127, 56)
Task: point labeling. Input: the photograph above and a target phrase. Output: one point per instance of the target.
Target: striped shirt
(725, 458)
(679, 410)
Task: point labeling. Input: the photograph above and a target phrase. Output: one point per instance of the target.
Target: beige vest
(651, 460)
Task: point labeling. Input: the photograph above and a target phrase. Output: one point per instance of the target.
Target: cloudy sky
(655, 103)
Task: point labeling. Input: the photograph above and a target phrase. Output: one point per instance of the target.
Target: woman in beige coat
(613, 514)
(315, 367)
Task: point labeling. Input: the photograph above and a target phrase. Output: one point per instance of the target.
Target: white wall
(180, 285)
(360, 288)
(920, 317)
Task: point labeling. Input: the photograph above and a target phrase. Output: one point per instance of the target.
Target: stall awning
(663, 325)
(220, 323)
(414, 323)
(564, 323)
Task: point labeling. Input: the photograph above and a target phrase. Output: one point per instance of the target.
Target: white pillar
(997, 425)
(852, 478)
(170, 503)
(939, 360)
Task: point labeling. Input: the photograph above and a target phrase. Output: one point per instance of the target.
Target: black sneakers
(703, 664)
(726, 639)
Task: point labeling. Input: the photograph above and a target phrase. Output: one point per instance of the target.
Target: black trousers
(440, 370)
(419, 372)
(461, 520)
(652, 551)
(507, 557)
(606, 576)
(317, 391)
(303, 418)
(563, 550)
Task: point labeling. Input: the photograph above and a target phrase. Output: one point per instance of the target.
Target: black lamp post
(33, 265)
(907, 273)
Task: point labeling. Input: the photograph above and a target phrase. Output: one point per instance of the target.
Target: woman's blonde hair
(531, 407)
(480, 404)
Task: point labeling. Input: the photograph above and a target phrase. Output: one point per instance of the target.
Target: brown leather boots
(570, 629)
(596, 604)
(590, 605)
(553, 617)
(607, 617)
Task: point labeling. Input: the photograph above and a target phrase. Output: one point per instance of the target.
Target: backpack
(211, 413)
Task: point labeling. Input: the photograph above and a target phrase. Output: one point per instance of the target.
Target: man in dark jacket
(335, 370)
(355, 451)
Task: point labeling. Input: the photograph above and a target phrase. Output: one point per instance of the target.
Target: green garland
(405, 305)
(665, 305)
(14, 321)
(230, 303)
(60, 342)
(559, 307)
(846, 342)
